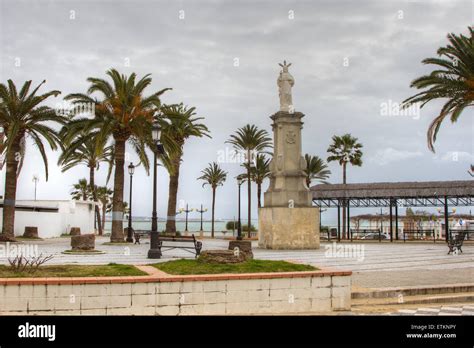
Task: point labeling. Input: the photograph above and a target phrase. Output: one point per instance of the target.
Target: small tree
(214, 176)
(316, 169)
(345, 149)
(81, 190)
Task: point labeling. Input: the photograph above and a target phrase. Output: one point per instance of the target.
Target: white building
(52, 218)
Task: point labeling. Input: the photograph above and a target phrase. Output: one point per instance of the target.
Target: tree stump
(31, 232)
(83, 242)
(244, 246)
(222, 256)
(75, 231)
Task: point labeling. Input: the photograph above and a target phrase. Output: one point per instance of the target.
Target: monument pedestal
(288, 228)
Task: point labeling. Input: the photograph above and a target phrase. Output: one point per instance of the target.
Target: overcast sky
(348, 58)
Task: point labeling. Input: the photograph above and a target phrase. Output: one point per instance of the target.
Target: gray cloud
(196, 57)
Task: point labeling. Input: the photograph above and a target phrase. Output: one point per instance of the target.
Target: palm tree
(182, 125)
(104, 195)
(21, 153)
(214, 176)
(81, 190)
(125, 115)
(453, 79)
(84, 149)
(260, 172)
(316, 169)
(250, 139)
(345, 149)
(21, 115)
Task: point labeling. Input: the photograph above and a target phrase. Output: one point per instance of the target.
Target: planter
(84, 242)
(75, 231)
(245, 247)
(30, 232)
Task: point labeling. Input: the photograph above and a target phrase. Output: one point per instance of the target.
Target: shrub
(245, 228)
(232, 225)
(30, 265)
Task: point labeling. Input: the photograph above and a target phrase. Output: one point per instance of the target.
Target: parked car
(375, 236)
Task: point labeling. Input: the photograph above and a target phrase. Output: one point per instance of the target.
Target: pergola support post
(391, 222)
(338, 221)
(396, 219)
(349, 235)
(446, 218)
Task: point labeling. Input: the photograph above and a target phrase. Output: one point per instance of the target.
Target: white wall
(297, 295)
(53, 224)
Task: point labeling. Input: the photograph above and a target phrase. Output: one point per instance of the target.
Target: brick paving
(437, 311)
(373, 264)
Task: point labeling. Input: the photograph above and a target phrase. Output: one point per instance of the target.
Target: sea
(193, 226)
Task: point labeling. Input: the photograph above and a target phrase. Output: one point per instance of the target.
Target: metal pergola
(395, 195)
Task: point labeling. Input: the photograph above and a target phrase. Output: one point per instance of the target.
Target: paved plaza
(375, 265)
(438, 310)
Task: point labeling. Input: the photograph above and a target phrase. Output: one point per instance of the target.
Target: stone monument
(288, 220)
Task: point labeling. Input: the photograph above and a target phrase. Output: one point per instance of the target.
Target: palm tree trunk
(213, 206)
(104, 211)
(173, 197)
(94, 197)
(117, 202)
(344, 204)
(8, 233)
(259, 194)
(250, 199)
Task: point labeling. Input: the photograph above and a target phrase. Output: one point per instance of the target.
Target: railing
(417, 233)
(366, 231)
(328, 233)
(468, 232)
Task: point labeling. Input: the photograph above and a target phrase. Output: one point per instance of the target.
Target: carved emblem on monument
(290, 137)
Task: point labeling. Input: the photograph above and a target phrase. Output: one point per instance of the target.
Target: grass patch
(110, 270)
(117, 243)
(83, 252)
(186, 267)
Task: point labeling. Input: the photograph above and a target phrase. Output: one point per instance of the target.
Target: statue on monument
(285, 82)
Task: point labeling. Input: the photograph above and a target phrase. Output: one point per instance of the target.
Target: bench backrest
(185, 239)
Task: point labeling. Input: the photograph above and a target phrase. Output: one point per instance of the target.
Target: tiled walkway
(373, 264)
(441, 310)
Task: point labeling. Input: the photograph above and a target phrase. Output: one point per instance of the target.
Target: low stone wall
(161, 294)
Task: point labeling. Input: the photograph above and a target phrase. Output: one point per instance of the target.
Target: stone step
(417, 299)
(381, 293)
(387, 309)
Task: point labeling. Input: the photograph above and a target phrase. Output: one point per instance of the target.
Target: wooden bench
(455, 244)
(173, 242)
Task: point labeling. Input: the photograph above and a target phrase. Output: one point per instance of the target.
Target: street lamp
(321, 210)
(187, 211)
(131, 170)
(381, 214)
(201, 211)
(35, 180)
(250, 165)
(239, 223)
(155, 251)
(446, 221)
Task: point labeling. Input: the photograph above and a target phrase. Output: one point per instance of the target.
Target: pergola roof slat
(391, 190)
